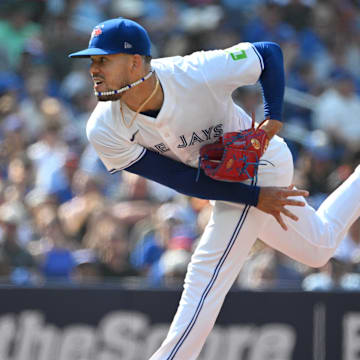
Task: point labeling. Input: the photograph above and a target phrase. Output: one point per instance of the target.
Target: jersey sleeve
(116, 153)
(225, 70)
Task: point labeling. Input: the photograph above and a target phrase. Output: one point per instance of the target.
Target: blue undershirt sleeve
(182, 178)
(272, 78)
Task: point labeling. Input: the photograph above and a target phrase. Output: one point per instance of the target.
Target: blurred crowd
(64, 219)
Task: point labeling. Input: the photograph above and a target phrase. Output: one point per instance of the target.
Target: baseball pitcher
(173, 120)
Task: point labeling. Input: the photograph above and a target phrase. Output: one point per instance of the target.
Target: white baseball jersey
(197, 108)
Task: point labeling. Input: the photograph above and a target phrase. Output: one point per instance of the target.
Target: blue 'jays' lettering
(207, 134)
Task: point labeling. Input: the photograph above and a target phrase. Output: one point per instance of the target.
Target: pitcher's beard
(114, 97)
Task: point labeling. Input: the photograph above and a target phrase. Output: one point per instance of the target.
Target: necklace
(127, 87)
(140, 107)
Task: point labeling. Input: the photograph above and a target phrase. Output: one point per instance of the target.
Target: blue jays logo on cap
(96, 32)
(117, 36)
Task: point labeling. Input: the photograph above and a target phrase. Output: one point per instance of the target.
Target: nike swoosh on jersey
(133, 136)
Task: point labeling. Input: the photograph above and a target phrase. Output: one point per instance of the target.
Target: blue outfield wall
(126, 324)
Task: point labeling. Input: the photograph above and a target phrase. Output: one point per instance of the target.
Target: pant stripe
(211, 283)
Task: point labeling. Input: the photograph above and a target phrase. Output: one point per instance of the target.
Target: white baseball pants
(229, 236)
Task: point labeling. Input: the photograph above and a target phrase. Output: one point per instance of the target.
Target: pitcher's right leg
(314, 238)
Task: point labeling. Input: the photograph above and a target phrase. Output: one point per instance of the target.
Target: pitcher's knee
(320, 257)
(322, 247)
(318, 263)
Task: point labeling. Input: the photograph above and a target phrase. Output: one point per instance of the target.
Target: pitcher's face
(110, 72)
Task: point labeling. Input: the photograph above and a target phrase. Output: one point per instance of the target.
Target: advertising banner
(123, 324)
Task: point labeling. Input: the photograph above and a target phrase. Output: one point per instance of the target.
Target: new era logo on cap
(127, 45)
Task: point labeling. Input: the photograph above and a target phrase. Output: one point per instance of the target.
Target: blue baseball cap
(117, 36)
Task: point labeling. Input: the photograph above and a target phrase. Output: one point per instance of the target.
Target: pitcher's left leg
(214, 267)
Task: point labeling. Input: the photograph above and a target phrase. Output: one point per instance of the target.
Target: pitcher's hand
(272, 200)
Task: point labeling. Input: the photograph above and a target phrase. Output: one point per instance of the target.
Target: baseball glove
(235, 156)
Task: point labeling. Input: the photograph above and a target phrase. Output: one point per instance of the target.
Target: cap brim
(89, 52)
